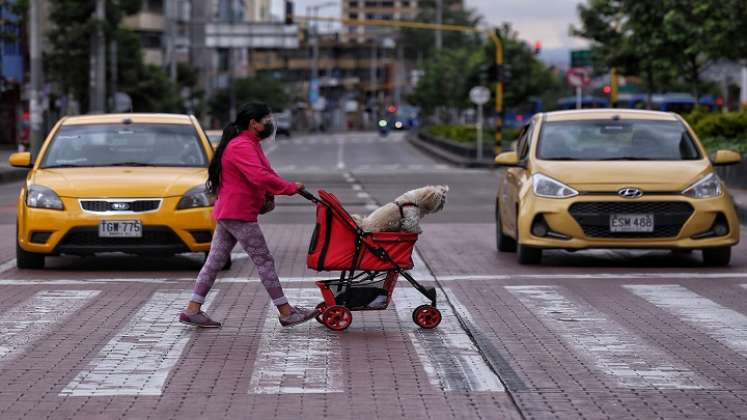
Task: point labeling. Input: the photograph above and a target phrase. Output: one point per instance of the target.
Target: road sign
(581, 58)
(578, 77)
(479, 95)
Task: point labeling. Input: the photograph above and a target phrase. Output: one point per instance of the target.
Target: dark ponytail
(251, 111)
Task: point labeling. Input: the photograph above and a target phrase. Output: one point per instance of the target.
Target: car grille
(594, 217)
(153, 236)
(135, 206)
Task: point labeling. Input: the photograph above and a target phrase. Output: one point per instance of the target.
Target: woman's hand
(299, 186)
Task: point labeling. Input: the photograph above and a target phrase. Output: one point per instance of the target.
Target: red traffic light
(607, 89)
(391, 109)
(537, 47)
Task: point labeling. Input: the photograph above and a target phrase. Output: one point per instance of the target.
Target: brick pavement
(378, 368)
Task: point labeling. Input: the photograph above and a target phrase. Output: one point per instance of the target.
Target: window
(126, 145)
(353, 16)
(616, 140)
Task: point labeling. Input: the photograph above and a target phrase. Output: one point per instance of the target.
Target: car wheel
(504, 243)
(28, 260)
(717, 257)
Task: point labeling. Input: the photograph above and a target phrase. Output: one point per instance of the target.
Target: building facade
(375, 10)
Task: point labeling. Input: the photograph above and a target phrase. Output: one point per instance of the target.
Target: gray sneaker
(200, 319)
(297, 316)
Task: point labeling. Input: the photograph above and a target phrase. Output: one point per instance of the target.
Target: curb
(446, 156)
(11, 175)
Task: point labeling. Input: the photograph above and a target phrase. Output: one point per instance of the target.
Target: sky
(546, 21)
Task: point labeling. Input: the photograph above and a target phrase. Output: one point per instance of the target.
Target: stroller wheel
(426, 316)
(337, 318)
(322, 306)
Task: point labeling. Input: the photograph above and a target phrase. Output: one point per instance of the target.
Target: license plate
(631, 223)
(120, 229)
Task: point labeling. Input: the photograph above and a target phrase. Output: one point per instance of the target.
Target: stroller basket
(337, 241)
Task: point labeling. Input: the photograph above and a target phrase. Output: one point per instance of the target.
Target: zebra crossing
(138, 359)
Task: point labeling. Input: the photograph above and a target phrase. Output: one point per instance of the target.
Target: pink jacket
(245, 176)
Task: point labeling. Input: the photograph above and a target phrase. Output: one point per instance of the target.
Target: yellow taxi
(130, 183)
(613, 178)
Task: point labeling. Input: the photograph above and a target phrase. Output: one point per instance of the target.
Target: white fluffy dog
(404, 213)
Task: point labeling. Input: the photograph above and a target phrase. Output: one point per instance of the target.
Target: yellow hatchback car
(130, 183)
(613, 178)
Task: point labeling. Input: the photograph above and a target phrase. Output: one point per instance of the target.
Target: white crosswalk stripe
(611, 348)
(36, 317)
(725, 325)
(304, 359)
(450, 359)
(138, 359)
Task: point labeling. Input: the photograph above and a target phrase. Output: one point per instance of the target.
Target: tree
(260, 88)
(663, 40)
(451, 74)
(67, 60)
(422, 43)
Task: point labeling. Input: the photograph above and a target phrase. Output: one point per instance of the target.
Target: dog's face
(432, 198)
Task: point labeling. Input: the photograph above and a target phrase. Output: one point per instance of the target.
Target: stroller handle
(303, 192)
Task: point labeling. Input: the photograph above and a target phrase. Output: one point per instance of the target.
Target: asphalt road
(601, 334)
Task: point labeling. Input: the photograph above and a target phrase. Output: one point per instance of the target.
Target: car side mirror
(510, 159)
(20, 160)
(726, 157)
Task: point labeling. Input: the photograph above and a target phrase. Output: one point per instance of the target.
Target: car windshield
(616, 140)
(125, 145)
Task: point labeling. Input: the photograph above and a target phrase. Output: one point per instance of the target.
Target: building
(356, 79)
(11, 74)
(375, 10)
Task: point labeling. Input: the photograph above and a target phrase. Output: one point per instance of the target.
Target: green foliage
(729, 125)
(466, 133)
(68, 58)
(450, 75)
(663, 41)
(260, 88)
(422, 43)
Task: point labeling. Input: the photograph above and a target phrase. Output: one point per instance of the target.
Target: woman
(241, 177)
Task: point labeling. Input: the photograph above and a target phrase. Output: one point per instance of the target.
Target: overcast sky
(535, 20)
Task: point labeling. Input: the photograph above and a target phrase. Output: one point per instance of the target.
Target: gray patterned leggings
(250, 236)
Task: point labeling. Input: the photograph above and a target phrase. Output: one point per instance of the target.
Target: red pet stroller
(370, 263)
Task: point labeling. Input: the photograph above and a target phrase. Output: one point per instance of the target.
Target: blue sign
(313, 91)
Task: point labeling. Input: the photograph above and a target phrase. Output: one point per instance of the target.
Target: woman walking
(241, 177)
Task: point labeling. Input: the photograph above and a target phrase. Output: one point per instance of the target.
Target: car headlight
(707, 187)
(195, 198)
(544, 186)
(40, 197)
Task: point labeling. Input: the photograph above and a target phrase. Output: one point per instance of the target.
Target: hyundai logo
(120, 206)
(630, 192)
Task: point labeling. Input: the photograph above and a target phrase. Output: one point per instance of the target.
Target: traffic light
(607, 89)
(537, 47)
(391, 109)
(288, 12)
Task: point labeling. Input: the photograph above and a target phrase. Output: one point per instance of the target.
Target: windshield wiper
(65, 165)
(627, 158)
(129, 164)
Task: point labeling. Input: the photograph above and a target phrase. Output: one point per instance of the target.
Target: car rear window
(125, 145)
(616, 140)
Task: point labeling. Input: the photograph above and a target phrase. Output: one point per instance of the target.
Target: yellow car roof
(135, 118)
(607, 113)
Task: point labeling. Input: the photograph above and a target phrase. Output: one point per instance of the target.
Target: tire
(503, 243)
(337, 318)
(426, 317)
(28, 260)
(529, 255)
(717, 257)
